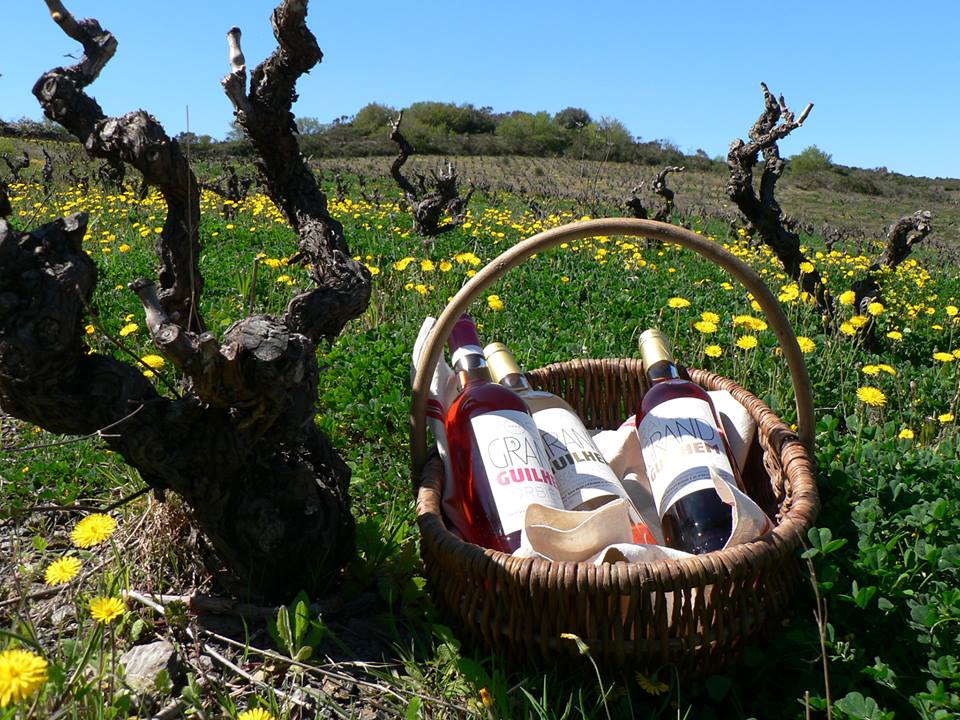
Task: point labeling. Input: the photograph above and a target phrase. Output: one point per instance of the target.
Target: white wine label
(680, 443)
(582, 473)
(516, 464)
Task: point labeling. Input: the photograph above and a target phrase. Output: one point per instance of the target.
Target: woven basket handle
(593, 228)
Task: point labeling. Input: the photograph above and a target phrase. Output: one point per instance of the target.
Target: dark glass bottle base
(699, 523)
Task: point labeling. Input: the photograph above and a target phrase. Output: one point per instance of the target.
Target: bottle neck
(657, 357)
(662, 370)
(516, 382)
(470, 365)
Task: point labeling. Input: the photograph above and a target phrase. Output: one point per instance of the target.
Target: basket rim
(784, 538)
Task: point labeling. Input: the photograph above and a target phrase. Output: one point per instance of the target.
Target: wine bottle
(498, 460)
(585, 479)
(683, 445)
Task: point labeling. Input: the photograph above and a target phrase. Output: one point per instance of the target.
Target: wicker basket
(696, 613)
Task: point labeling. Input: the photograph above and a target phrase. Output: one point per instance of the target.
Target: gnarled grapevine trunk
(429, 206)
(902, 236)
(660, 188)
(240, 444)
(762, 210)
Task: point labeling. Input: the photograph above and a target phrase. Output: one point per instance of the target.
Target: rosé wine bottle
(498, 460)
(683, 446)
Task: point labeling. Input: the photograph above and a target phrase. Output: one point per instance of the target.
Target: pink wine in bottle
(498, 460)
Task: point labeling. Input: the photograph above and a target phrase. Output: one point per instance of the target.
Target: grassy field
(886, 550)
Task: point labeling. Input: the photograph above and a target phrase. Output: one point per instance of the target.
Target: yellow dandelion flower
(713, 351)
(128, 329)
(62, 571)
(806, 344)
(255, 714)
(272, 263)
(422, 289)
(806, 267)
(875, 308)
(374, 270)
(943, 357)
(494, 302)
(952, 310)
(789, 293)
(756, 306)
(895, 335)
(676, 303)
(710, 317)
(750, 322)
(427, 265)
(847, 329)
(872, 396)
(581, 645)
(89, 329)
(124, 248)
(652, 687)
(858, 321)
(154, 361)
(871, 369)
(470, 273)
(705, 326)
(467, 258)
(22, 673)
(402, 265)
(93, 530)
(446, 266)
(106, 609)
(888, 369)
(906, 434)
(565, 279)
(945, 417)
(848, 298)
(956, 353)
(747, 342)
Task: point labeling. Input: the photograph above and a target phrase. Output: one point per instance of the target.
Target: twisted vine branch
(429, 206)
(762, 210)
(136, 138)
(264, 113)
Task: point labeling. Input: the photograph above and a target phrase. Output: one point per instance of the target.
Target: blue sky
(882, 75)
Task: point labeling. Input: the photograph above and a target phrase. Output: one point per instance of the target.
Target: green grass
(886, 552)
